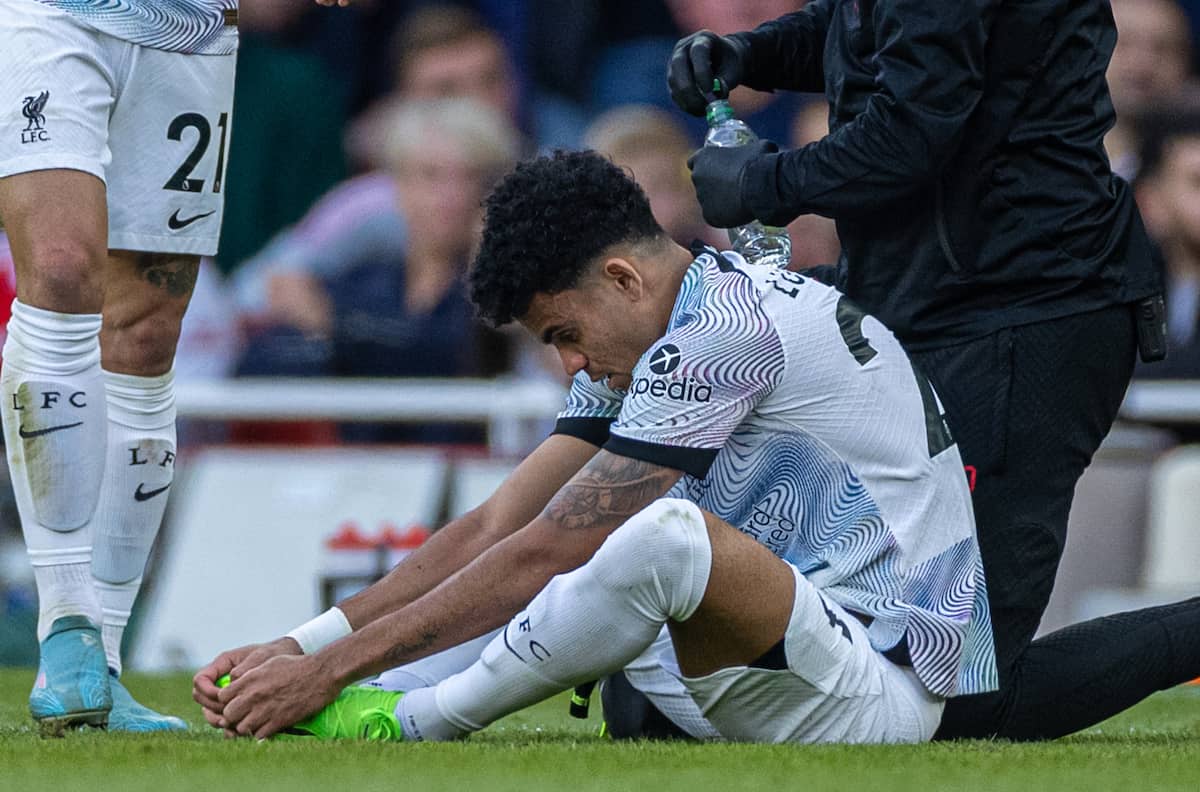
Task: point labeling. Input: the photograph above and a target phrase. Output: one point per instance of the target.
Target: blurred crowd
(365, 138)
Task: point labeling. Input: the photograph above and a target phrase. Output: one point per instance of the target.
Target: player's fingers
(226, 696)
(248, 663)
(268, 729)
(207, 698)
(212, 718)
(254, 721)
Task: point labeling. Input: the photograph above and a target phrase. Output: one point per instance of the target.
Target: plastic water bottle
(758, 244)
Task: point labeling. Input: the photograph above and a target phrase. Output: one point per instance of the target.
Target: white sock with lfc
(428, 671)
(583, 625)
(54, 429)
(139, 469)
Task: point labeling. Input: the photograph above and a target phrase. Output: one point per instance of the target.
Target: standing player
(114, 124)
(813, 560)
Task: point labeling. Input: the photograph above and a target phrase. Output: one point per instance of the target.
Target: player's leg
(54, 416)
(582, 625)
(734, 611)
(169, 134)
(144, 305)
(428, 671)
(53, 153)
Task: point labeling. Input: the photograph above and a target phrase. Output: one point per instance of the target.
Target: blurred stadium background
(337, 398)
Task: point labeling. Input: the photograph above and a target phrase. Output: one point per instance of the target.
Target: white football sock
(582, 626)
(54, 429)
(137, 477)
(430, 670)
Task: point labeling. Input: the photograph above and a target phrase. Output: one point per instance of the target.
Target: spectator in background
(653, 147)
(448, 50)
(286, 147)
(1168, 192)
(1150, 64)
(404, 315)
(632, 71)
(443, 51)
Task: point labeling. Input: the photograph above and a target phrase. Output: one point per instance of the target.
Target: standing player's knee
(663, 551)
(63, 274)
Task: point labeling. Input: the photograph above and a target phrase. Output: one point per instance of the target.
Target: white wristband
(318, 633)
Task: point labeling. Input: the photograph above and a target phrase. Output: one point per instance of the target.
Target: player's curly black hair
(546, 221)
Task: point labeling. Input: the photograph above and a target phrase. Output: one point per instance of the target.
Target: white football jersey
(191, 26)
(800, 420)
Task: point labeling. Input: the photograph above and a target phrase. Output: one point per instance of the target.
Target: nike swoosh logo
(140, 495)
(28, 433)
(174, 223)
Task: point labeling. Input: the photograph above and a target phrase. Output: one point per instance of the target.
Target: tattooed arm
(480, 597)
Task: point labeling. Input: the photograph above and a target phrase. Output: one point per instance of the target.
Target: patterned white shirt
(189, 26)
(801, 421)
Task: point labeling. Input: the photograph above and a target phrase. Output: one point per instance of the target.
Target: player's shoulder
(722, 291)
(723, 271)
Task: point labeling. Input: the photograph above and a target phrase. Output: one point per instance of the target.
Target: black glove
(698, 61)
(717, 174)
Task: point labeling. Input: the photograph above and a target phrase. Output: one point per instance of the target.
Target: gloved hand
(718, 174)
(697, 61)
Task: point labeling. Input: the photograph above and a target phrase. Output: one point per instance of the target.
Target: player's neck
(678, 259)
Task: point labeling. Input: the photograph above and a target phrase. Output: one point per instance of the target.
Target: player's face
(594, 328)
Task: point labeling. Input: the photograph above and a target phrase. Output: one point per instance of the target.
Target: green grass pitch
(1154, 747)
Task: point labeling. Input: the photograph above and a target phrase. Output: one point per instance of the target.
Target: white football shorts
(835, 689)
(153, 125)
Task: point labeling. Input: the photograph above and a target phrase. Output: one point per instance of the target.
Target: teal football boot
(72, 687)
(129, 716)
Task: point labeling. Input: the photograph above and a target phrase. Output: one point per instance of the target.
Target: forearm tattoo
(609, 489)
(405, 652)
(173, 273)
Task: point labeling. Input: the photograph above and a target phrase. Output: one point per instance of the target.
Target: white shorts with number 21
(153, 125)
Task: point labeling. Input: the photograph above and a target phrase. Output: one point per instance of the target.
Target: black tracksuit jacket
(965, 164)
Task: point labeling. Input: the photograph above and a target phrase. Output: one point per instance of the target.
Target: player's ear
(624, 276)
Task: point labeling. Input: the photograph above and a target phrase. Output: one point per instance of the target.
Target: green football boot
(72, 687)
(129, 716)
(358, 713)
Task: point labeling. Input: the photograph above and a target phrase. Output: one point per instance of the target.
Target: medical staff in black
(980, 221)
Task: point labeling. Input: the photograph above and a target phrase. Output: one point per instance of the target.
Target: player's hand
(280, 692)
(700, 59)
(717, 174)
(235, 662)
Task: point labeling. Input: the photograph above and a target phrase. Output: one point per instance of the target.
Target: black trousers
(1028, 407)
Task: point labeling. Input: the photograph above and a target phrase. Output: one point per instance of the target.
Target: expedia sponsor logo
(665, 359)
(687, 390)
